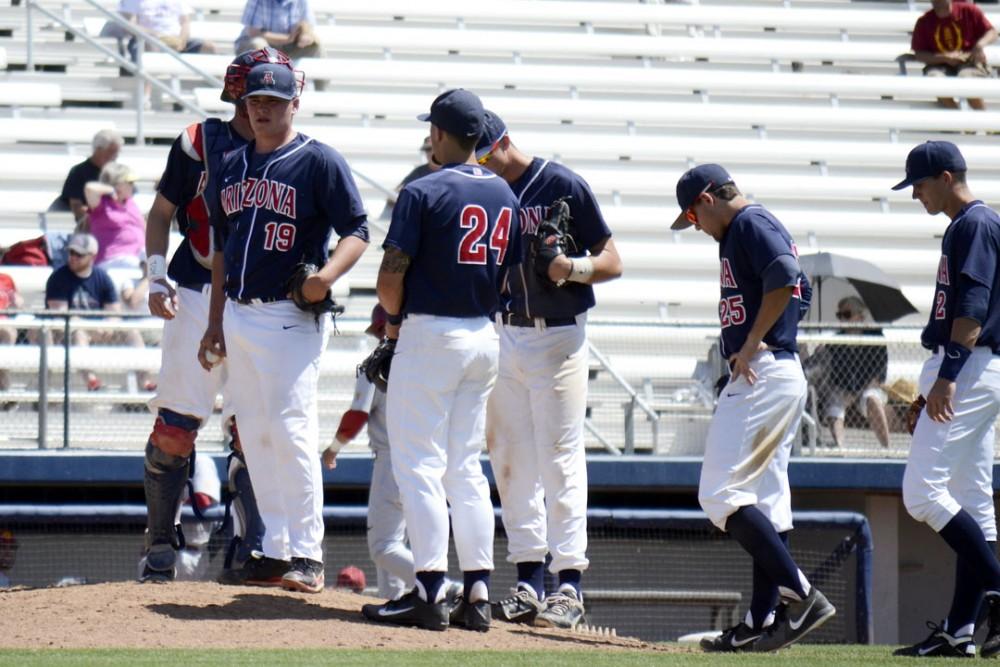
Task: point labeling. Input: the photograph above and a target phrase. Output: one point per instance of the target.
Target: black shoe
(800, 618)
(939, 644)
(522, 606)
(304, 575)
(258, 570)
(410, 609)
(158, 565)
(991, 645)
(737, 638)
(472, 616)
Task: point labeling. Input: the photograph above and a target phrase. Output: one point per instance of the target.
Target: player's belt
(518, 320)
(259, 301)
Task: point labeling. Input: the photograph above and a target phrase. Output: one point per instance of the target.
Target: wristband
(157, 288)
(955, 356)
(394, 320)
(156, 267)
(583, 269)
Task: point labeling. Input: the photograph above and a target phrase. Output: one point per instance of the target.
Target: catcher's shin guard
(248, 527)
(168, 454)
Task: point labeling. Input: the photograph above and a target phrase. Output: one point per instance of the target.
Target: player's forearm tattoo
(395, 261)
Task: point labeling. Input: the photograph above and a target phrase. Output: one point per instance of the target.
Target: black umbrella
(881, 294)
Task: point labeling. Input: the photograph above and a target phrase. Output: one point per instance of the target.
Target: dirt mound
(199, 615)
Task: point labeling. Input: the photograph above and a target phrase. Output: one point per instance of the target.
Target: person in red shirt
(950, 40)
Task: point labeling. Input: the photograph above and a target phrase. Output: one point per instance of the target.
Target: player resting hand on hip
(744, 476)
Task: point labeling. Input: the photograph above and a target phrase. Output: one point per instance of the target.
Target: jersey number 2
(279, 236)
(940, 300)
(472, 250)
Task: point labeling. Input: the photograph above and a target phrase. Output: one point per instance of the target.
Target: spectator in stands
(8, 553)
(9, 299)
(80, 285)
(115, 219)
(168, 20)
(284, 24)
(105, 148)
(950, 39)
(419, 171)
(853, 375)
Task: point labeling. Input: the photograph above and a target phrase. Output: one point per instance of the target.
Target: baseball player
(8, 554)
(185, 396)
(948, 483)
(454, 234)
(744, 475)
(279, 200)
(537, 409)
(386, 525)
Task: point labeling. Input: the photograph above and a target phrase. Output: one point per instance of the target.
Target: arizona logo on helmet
(268, 78)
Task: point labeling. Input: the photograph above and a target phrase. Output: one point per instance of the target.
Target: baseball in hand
(212, 358)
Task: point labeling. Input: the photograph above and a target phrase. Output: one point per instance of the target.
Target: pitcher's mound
(200, 615)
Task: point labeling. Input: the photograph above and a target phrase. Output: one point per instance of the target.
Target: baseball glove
(376, 365)
(318, 308)
(551, 239)
(913, 414)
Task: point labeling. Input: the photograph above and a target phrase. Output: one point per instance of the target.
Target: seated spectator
(950, 40)
(80, 285)
(286, 25)
(9, 299)
(104, 149)
(421, 170)
(852, 375)
(115, 219)
(167, 20)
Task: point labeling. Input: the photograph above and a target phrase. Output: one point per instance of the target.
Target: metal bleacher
(801, 99)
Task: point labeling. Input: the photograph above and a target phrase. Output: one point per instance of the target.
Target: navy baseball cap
(493, 131)
(457, 112)
(273, 80)
(928, 160)
(695, 181)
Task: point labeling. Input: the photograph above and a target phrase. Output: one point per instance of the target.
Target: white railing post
(30, 49)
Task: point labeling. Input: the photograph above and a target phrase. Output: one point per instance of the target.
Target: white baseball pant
(183, 386)
(535, 421)
(387, 527)
(274, 373)
(749, 442)
(951, 464)
(442, 373)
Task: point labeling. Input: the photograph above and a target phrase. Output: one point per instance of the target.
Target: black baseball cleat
(940, 644)
(799, 619)
(732, 640)
(521, 606)
(258, 570)
(472, 616)
(305, 575)
(991, 645)
(410, 609)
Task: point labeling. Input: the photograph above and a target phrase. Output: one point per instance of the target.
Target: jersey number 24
(472, 248)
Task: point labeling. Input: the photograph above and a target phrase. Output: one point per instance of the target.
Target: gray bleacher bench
(724, 605)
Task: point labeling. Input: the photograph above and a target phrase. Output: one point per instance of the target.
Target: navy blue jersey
(278, 209)
(185, 184)
(754, 240)
(459, 226)
(970, 248)
(542, 183)
(91, 293)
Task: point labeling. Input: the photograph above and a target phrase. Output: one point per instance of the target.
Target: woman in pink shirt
(115, 219)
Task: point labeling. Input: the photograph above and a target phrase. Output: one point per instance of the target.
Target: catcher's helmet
(236, 73)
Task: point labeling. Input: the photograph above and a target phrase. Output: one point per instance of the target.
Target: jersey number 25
(472, 249)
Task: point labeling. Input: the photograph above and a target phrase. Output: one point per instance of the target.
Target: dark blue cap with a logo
(493, 131)
(928, 160)
(457, 112)
(272, 80)
(703, 178)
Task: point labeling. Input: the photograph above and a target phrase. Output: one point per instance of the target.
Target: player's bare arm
(162, 296)
(345, 256)
(940, 407)
(389, 285)
(214, 341)
(771, 308)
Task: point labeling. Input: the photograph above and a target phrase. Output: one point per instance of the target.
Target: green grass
(797, 655)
